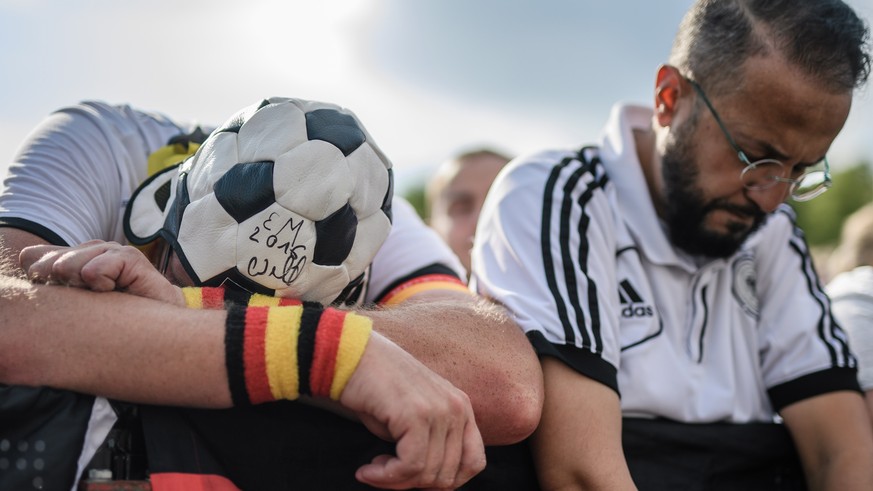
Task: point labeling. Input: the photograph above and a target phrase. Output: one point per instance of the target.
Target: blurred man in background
(455, 194)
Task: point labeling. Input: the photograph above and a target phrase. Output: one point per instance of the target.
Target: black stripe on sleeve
(34, 228)
(546, 244)
(580, 360)
(592, 337)
(306, 344)
(821, 321)
(569, 272)
(829, 331)
(593, 304)
(814, 384)
(234, 340)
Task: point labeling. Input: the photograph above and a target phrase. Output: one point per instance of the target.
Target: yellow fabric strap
(193, 297)
(259, 300)
(356, 334)
(170, 155)
(280, 351)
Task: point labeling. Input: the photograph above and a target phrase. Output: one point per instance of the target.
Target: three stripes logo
(632, 305)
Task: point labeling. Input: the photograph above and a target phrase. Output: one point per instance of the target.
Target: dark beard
(685, 209)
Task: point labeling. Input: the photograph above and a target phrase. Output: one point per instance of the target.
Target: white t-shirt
(72, 178)
(75, 172)
(852, 297)
(571, 244)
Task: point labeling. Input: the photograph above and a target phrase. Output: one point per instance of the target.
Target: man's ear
(669, 87)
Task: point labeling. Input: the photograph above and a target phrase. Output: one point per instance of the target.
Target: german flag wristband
(283, 352)
(279, 348)
(219, 297)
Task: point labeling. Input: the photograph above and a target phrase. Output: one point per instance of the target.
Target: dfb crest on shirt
(744, 280)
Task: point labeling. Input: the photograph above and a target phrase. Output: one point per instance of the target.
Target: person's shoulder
(547, 158)
(101, 113)
(101, 109)
(532, 169)
(855, 281)
(411, 249)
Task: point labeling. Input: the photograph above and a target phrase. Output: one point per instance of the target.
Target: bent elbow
(514, 412)
(521, 422)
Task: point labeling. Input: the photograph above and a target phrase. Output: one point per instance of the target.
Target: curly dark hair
(825, 38)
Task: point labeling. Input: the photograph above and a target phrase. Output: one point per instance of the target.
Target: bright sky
(427, 77)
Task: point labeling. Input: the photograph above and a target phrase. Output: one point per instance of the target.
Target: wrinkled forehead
(776, 103)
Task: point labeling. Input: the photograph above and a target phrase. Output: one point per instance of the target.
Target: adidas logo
(631, 300)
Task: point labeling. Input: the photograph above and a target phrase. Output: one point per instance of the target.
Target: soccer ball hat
(289, 198)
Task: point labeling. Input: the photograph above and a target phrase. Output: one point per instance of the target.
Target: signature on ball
(284, 239)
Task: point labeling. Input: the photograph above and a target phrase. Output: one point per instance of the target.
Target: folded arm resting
(112, 344)
(476, 346)
(470, 342)
(137, 349)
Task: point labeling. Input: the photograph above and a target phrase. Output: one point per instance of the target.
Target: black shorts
(667, 455)
(287, 445)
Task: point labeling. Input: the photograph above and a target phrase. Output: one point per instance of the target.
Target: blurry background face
(458, 191)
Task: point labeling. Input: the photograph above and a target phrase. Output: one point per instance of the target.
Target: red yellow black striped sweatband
(282, 352)
(217, 297)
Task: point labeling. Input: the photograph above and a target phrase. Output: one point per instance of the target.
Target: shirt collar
(619, 155)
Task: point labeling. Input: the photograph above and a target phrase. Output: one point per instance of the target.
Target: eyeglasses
(766, 173)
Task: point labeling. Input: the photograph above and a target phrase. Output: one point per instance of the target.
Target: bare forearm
(578, 443)
(868, 399)
(834, 440)
(841, 472)
(131, 348)
(474, 345)
(12, 240)
(844, 468)
(111, 344)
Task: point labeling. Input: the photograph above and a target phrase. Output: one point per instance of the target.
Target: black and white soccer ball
(289, 198)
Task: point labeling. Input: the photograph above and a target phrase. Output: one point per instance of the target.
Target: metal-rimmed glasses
(766, 173)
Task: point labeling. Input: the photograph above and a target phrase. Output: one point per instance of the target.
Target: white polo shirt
(571, 244)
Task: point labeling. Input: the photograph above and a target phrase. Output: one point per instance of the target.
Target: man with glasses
(763, 174)
(684, 336)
